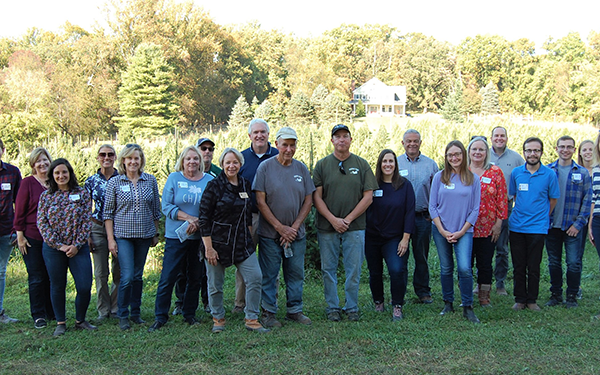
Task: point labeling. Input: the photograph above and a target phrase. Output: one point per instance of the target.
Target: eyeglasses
(563, 147)
(342, 170)
(455, 155)
(106, 154)
(204, 148)
(479, 136)
(529, 152)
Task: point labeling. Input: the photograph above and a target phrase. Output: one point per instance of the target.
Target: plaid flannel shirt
(578, 197)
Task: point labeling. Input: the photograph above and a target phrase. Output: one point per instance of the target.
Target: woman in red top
(492, 210)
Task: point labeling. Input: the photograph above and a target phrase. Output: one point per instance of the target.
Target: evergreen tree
(317, 100)
(453, 108)
(299, 111)
(490, 104)
(148, 104)
(336, 109)
(264, 111)
(241, 113)
(254, 105)
(360, 109)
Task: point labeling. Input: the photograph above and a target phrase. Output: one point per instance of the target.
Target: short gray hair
(234, 151)
(257, 121)
(411, 131)
(179, 164)
(488, 153)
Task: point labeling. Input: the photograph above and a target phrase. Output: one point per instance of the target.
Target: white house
(380, 99)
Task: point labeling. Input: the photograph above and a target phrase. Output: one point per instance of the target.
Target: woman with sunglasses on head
(64, 222)
(454, 206)
(131, 213)
(96, 185)
(493, 208)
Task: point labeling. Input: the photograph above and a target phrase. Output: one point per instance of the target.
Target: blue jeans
(5, 250)
(554, 245)
(462, 249)
(376, 250)
(80, 266)
(270, 257)
(132, 258)
(176, 253)
(420, 241)
(40, 303)
(250, 271)
(352, 245)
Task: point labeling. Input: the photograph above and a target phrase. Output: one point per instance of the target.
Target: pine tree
(254, 105)
(317, 100)
(336, 109)
(453, 108)
(241, 113)
(148, 104)
(299, 111)
(490, 104)
(360, 110)
(264, 111)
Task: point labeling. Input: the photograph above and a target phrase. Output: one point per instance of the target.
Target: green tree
(147, 98)
(241, 114)
(453, 108)
(264, 110)
(299, 111)
(317, 100)
(360, 110)
(489, 100)
(336, 109)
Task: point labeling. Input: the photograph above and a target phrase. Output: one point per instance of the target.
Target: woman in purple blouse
(64, 222)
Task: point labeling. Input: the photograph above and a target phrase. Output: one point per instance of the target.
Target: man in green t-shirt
(345, 184)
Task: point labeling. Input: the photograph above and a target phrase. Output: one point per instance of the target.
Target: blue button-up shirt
(578, 197)
(420, 173)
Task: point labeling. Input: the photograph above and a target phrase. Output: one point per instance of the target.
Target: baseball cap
(202, 140)
(286, 133)
(339, 127)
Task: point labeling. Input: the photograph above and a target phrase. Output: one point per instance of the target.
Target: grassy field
(553, 341)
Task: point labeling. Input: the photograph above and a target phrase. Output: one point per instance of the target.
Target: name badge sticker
(404, 172)
(449, 187)
(378, 193)
(125, 188)
(523, 187)
(577, 177)
(182, 184)
(6, 186)
(74, 197)
(486, 180)
(244, 195)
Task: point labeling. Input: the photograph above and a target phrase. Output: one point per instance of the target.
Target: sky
(447, 20)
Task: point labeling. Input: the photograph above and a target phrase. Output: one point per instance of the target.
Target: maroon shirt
(10, 179)
(26, 207)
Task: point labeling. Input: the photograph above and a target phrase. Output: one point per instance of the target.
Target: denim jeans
(420, 241)
(526, 251)
(462, 249)
(132, 258)
(483, 253)
(40, 303)
(554, 246)
(596, 232)
(106, 303)
(270, 258)
(5, 250)
(376, 250)
(252, 277)
(352, 245)
(176, 253)
(80, 266)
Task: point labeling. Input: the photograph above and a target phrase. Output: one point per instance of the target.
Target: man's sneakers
(5, 319)
(555, 300)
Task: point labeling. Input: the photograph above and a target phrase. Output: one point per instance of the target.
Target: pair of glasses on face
(204, 148)
(455, 155)
(106, 154)
(341, 166)
(529, 152)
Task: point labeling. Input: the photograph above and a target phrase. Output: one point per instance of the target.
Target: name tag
(182, 184)
(404, 172)
(492, 163)
(577, 177)
(449, 187)
(244, 195)
(523, 187)
(378, 193)
(125, 188)
(486, 180)
(6, 186)
(74, 197)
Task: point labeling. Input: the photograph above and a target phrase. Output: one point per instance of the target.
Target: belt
(96, 221)
(422, 214)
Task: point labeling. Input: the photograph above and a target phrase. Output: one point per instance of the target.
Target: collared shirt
(214, 170)
(96, 186)
(494, 202)
(133, 208)
(578, 197)
(251, 163)
(420, 173)
(507, 161)
(10, 180)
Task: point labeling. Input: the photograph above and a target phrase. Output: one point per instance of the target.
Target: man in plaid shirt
(566, 221)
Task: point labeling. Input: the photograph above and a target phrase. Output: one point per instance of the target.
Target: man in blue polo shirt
(535, 188)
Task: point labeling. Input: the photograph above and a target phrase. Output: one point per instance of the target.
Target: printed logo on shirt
(378, 193)
(353, 170)
(6, 186)
(523, 187)
(298, 178)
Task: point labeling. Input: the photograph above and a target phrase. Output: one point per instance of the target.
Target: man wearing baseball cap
(207, 149)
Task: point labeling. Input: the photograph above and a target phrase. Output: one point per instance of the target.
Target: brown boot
(484, 295)
(255, 326)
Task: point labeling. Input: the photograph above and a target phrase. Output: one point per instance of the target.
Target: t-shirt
(392, 212)
(285, 187)
(342, 192)
(455, 203)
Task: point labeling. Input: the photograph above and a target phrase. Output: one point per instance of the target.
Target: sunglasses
(204, 148)
(342, 170)
(106, 154)
(479, 136)
(132, 145)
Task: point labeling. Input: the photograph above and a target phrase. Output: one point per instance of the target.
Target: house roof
(376, 92)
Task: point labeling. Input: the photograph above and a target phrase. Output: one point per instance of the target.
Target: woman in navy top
(390, 222)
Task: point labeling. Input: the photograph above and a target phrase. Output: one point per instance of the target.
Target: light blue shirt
(420, 173)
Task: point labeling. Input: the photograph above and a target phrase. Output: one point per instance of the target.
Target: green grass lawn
(553, 341)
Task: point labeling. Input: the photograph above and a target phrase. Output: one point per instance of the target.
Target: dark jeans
(177, 253)
(40, 303)
(420, 241)
(132, 258)
(181, 283)
(554, 246)
(483, 252)
(376, 250)
(501, 269)
(80, 266)
(526, 251)
(596, 232)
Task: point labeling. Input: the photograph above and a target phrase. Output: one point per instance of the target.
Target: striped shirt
(596, 190)
(133, 207)
(578, 197)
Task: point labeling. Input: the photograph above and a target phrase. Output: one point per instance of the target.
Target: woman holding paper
(180, 205)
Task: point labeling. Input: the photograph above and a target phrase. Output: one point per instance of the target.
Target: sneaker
(501, 292)
(137, 320)
(448, 308)
(379, 306)
(60, 330)
(156, 326)
(353, 316)
(124, 324)
(518, 306)
(299, 318)
(580, 293)
(6, 319)
(85, 325)
(218, 325)
(571, 301)
(178, 310)
(254, 326)
(533, 307)
(397, 314)
(555, 300)
(334, 316)
(469, 314)
(270, 320)
(426, 300)
(40, 323)
(238, 310)
(192, 321)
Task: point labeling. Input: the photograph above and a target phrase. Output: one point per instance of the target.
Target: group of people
(485, 197)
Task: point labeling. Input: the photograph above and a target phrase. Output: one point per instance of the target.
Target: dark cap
(202, 140)
(339, 127)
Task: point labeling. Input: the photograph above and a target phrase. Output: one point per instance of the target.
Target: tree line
(162, 66)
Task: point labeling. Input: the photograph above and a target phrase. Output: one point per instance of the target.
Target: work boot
(254, 326)
(448, 308)
(218, 325)
(555, 300)
(470, 314)
(270, 320)
(484, 295)
(571, 301)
